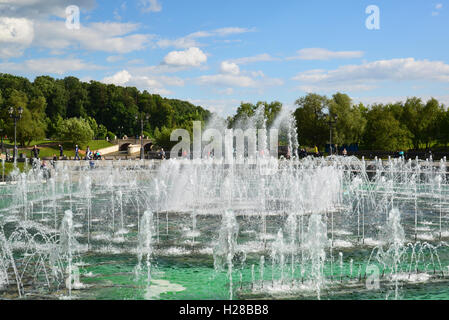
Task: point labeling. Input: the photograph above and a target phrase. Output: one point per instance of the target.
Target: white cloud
(193, 57)
(230, 68)
(48, 66)
(227, 80)
(324, 54)
(257, 58)
(16, 34)
(150, 6)
(369, 75)
(112, 59)
(191, 39)
(153, 84)
(232, 30)
(41, 8)
(230, 77)
(119, 79)
(108, 37)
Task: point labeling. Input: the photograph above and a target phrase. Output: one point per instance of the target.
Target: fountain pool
(334, 228)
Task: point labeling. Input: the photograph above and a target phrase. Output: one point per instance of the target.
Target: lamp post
(143, 120)
(332, 121)
(15, 114)
(1, 132)
(120, 128)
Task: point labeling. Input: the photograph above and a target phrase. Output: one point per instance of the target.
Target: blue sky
(219, 53)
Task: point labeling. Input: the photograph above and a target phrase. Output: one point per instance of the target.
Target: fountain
(192, 229)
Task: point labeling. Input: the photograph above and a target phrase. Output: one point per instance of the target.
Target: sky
(218, 54)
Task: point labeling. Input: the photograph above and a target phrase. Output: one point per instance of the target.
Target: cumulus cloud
(40, 8)
(119, 79)
(153, 84)
(229, 68)
(193, 57)
(16, 34)
(257, 58)
(227, 80)
(230, 77)
(110, 37)
(36, 28)
(369, 75)
(191, 40)
(150, 6)
(48, 66)
(324, 54)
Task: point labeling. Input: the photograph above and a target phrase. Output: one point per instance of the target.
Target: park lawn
(9, 167)
(48, 148)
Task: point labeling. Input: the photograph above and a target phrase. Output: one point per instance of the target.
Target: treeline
(413, 124)
(73, 110)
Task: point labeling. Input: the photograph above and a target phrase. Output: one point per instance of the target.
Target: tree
(384, 131)
(75, 131)
(350, 119)
(311, 120)
(77, 97)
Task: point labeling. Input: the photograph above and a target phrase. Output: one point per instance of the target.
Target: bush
(102, 132)
(111, 136)
(75, 131)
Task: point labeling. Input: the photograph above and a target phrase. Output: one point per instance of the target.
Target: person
(77, 155)
(88, 153)
(345, 152)
(35, 152)
(61, 151)
(53, 162)
(45, 170)
(97, 155)
(162, 154)
(316, 150)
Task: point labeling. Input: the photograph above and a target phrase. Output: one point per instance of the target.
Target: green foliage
(311, 120)
(162, 138)
(48, 102)
(111, 136)
(398, 126)
(351, 123)
(75, 131)
(384, 131)
(246, 110)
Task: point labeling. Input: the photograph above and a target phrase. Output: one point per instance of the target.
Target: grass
(9, 167)
(48, 148)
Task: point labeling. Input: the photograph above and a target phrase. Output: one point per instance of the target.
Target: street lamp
(120, 129)
(332, 121)
(1, 132)
(15, 114)
(143, 120)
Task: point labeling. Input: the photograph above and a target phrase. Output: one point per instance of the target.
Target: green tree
(311, 120)
(350, 122)
(384, 131)
(75, 131)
